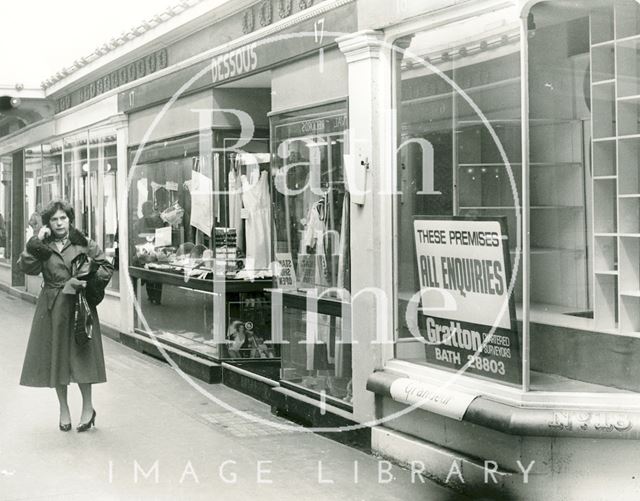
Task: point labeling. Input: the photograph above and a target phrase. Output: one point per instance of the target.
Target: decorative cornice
(119, 121)
(361, 45)
(121, 39)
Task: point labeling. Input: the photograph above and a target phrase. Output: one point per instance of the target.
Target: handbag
(82, 316)
(82, 319)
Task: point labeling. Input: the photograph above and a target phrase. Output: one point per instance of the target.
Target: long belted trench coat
(53, 357)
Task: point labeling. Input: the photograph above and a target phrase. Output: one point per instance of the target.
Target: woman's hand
(73, 285)
(44, 232)
(77, 284)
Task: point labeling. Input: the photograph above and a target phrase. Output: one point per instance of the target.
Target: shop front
(514, 243)
(236, 173)
(72, 154)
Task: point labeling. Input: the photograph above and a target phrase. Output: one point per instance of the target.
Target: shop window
(583, 129)
(5, 209)
(77, 187)
(582, 177)
(459, 170)
(311, 214)
(102, 172)
(43, 181)
(193, 217)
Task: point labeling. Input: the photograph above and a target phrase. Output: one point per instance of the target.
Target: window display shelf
(493, 85)
(631, 38)
(629, 195)
(603, 62)
(606, 272)
(430, 99)
(513, 164)
(630, 293)
(604, 82)
(550, 250)
(492, 121)
(533, 207)
(633, 98)
(604, 139)
(604, 234)
(604, 43)
(206, 285)
(603, 178)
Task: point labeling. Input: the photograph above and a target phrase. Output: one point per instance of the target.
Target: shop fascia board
(207, 56)
(456, 11)
(193, 19)
(84, 117)
(53, 129)
(32, 134)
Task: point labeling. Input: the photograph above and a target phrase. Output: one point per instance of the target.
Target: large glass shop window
(5, 208)
(43, 181)
(88, 167)
(311, 213)
(102, 171)
(585, 193)
(76, 181)
(193, 216)
(459, 204)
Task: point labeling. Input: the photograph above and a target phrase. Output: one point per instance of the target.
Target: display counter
(178, 310)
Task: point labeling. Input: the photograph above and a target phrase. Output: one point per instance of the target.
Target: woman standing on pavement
(54, 358)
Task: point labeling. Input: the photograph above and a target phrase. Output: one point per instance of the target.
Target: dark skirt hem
(48, 385)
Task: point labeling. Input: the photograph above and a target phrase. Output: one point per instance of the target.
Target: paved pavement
(159, 438)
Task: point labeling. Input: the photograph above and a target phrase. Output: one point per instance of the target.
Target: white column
(370, 144)
(121, 124)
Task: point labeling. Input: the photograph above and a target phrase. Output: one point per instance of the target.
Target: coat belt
(50, 285)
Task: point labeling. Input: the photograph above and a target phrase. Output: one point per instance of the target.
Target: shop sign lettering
(467, 317)
(263, 12)
(286, 272)
(431, 398)
(234, 63)
(590, 421)
(133, 71)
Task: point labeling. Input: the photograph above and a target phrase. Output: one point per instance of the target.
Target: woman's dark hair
(53, 207)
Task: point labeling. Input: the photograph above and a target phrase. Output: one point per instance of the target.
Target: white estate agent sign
(464, 271)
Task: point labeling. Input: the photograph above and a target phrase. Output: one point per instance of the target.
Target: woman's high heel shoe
(85, 426)
(64, 427)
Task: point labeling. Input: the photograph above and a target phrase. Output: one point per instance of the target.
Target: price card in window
(163, 236)
(286, 273)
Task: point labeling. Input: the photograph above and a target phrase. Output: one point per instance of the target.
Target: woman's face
(59, 223)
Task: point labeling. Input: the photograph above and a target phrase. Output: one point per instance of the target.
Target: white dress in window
(255, 197)
(235, 206)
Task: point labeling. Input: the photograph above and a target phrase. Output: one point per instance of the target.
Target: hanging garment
(216, 186)
(314, 229)
(256, 200)
(314, 247)
(201, 203)
(143, 194)
(317, 341)
(235, 205)
(110, 205)
(344, 279)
